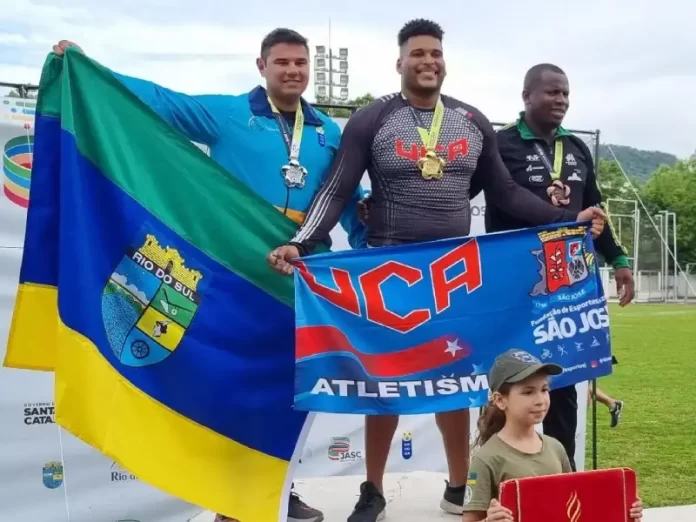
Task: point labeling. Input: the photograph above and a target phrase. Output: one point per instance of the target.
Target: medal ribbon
(431, 137)
(555, 169)
(292, 144)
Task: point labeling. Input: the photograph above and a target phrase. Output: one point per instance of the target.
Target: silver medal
(294, 174)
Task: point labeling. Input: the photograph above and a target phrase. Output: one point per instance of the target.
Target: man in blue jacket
(260, 137)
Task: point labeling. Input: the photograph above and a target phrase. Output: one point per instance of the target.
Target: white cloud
(630, 65)
(12, 39)
(123, 281)
(19, 73)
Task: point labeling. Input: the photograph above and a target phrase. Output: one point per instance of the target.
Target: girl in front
(510, 447)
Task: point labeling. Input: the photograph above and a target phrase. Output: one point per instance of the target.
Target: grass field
(656, 378)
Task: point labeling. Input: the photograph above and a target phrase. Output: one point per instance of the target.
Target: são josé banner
(415, 329)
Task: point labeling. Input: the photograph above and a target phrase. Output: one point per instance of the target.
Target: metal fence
(23, 89)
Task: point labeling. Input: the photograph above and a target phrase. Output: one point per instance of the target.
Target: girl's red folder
(603, 496)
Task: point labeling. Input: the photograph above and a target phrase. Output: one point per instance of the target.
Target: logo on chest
(321, 138)
(415, 151)
(575, 176)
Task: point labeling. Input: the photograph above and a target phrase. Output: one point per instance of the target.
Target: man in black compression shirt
(421, 151)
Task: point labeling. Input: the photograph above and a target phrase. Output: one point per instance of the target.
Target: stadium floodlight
(325, 69)
(319, 64)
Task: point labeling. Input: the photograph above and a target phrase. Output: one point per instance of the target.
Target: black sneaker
(453, 500)
(298, 511)
(370, 506)
(615, 413)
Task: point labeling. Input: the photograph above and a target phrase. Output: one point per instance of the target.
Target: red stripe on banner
(317, 340)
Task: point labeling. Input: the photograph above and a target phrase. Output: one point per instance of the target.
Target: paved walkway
(413, 497)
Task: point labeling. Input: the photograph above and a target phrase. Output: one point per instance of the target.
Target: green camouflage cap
(515, 366)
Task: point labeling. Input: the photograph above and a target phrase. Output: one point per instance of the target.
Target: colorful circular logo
(338, 447)
(17, 159)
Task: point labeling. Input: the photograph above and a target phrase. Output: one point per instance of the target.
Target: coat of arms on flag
(148, 303)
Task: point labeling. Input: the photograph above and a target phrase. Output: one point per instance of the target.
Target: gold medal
(431, 166)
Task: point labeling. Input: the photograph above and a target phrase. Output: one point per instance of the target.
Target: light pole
(326, 64)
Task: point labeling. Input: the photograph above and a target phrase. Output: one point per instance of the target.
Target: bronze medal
(558, 193)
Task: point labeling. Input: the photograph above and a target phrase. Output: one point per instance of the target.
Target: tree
(673, 189)
(612, 182)
(614, 185)
(362, 101)
(638, 163)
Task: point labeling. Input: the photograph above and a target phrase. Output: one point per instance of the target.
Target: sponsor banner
(46, 472)
(336, 444)
(417, 444)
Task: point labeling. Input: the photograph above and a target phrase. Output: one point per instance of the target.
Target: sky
(630, 64)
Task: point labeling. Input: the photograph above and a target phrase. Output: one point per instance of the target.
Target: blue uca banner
(415, 328)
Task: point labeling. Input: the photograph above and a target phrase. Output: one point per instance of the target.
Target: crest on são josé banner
(563, 258)
(148, 303)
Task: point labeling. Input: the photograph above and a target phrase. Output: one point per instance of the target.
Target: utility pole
(331, 69)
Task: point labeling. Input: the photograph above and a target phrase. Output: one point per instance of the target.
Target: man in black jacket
(557, 166)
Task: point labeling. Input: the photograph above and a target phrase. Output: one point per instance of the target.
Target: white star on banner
(453, 347)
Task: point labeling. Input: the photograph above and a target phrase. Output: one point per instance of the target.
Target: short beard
(422, 92)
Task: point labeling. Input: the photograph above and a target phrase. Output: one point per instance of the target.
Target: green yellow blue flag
(144, 288)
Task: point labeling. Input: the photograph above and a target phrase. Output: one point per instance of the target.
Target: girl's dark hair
(491, 420)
